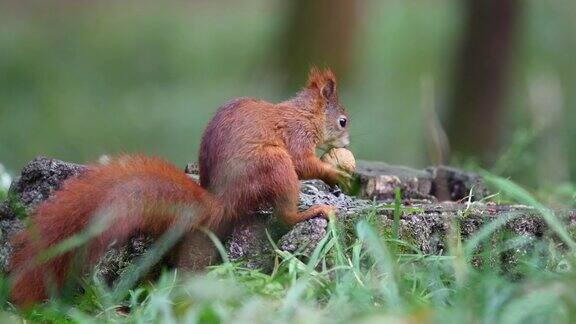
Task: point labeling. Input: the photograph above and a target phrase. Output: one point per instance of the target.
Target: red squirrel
(252, 155)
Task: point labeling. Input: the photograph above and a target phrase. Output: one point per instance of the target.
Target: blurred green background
(79, 79)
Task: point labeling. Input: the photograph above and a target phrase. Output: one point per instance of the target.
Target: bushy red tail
(126, 196)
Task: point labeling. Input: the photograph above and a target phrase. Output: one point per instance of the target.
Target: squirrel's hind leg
(269, 179)
(286, 194)
(286, 207)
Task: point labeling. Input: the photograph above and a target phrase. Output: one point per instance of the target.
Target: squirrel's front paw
(341, 159)
(344, 180)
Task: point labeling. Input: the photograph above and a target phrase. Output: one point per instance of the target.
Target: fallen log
(434, 202)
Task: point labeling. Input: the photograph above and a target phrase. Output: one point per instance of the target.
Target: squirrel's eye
(342, 121)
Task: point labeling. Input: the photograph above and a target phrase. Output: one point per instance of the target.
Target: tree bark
(319, 32)
(483, 62)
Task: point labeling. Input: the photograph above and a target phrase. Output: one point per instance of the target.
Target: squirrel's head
(323, 85)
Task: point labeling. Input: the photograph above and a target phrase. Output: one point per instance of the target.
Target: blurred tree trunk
(319, 32)
(475, 113)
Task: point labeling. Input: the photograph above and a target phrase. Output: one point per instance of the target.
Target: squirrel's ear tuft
(324, 82)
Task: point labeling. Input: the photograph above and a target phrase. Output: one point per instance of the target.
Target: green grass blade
(384, 263)
(523, 196)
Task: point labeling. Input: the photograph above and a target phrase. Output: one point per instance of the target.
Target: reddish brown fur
(254, 152)
(142, 194)
(252, 155)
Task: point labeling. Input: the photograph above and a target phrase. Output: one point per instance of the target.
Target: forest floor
(440, 248)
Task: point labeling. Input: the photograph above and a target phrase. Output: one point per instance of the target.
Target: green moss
(572, 232)
(16, 206)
